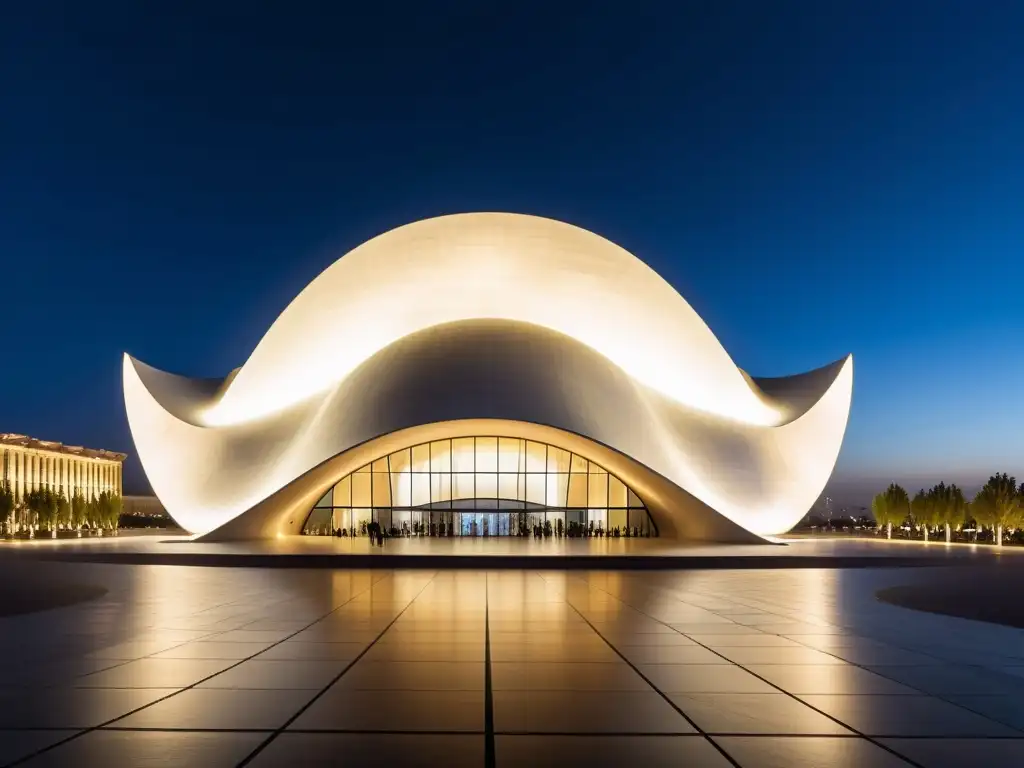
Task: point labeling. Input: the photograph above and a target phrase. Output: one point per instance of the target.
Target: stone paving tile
(155, 673)
(546, 711)
(906, 716)
(72, 707)
(345, 709)
(669, 654)
(199, 708)
(807, 752)
(748, 656)
(543, 676)
(415, 676)
(211, 649)
(754, 713)
(15, 745)
(299, 651)
(362, 750)
(827, 678)
(955, 680)
(162, 748)
(1008, 710)
(605, 752)
(703, 678)
(278, 675)
(956, 753)
(751, 640)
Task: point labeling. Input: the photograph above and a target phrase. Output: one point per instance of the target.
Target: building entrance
(481, 487)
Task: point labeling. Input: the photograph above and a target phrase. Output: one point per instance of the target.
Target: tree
(63, 511)
(7, 505)
(894, 506)
(997, 505)
(79, 511)
(111, 505)
(51, 503)
(881, 512)
(950, 507)
(33, 509)
(92, 513)
(921, 511)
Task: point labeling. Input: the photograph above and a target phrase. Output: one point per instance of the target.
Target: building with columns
(27, 464)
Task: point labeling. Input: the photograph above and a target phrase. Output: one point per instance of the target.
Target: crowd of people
(378, 533)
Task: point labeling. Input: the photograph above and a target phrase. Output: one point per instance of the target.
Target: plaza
(714, 666)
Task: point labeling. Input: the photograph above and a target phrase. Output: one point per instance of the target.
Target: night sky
(815, 178)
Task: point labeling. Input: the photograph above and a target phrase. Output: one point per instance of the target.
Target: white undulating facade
(489, 326)
(28, 464)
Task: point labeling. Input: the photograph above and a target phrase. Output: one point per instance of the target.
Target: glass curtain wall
(482, 486)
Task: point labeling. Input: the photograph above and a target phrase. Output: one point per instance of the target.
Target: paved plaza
(787, 668)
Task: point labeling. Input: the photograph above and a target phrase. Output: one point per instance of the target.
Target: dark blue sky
(815, 178)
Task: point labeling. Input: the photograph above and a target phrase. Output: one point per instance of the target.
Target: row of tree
(998, 506)
(49, 509)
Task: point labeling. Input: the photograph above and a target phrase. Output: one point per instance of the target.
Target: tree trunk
(999, 535)
(888, 530)
(925, 527)
(948, 535)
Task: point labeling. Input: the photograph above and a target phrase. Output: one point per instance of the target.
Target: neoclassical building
(486, 374)
(28, 464)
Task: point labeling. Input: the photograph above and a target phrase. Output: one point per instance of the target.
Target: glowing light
(562, 277)
(641, 373)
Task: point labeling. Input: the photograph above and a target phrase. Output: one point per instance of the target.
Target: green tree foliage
(891, 507)
(7, 506)
(104, 511)
(920, 511)
(63, 511)
(34, 508)
(52, 510)
(880, 510)
(114, 505)
(896, 507)
(42, 509)
(92, 513)
(949, 506)
(79, 510)
(998, 505)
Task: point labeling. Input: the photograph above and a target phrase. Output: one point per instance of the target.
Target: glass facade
(481, 486)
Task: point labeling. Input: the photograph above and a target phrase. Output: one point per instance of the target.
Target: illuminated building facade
(482, 486)
(418, 381)
(27, 464)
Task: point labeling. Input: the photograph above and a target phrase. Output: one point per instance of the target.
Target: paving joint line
(490, 756)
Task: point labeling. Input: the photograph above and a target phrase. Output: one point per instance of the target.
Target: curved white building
(484, 374)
